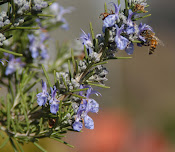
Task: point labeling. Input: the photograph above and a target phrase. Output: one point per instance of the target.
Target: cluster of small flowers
(22, 6)
(99, 74)
(37, 45)
(70, 83)
(44, 96)
(82, 65)
(85, 106)
(123, 30)
(39, 5)
(59, 11)
(2, 39)
(4, 19)
(134, 2)
(81, 106)
(18, 21)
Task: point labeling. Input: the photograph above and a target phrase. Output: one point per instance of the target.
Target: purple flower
(130, 29)
(37, 44)
(54, 102)
(129, 21)
(130, 48)
(87, 105)
(77, 125)
(43, 96)
(13, 65)
(88, 122)
(33, 47)
(110, 20)
(59, 11)
(120, 41)
(85, 39)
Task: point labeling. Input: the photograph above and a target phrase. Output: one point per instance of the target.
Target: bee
(139, 7)
(151, 40)
(52, 122)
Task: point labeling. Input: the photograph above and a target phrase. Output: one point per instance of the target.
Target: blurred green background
(137, 114)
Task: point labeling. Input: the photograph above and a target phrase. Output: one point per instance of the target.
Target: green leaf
(11, 89)
(142, 17)
(64, 82)
(76, 65)
(8, 111)
(88, 75)
(96, 45)
(73, 61)
(120, 58)
(78, 90)
(105, 7)
(43, 15)
(24, 108)
(136, 41)
(5, 142)
(85, 52)
(41, 124)
(41, 148)
(106, 36)
(46, 75)
(98, 85)
(60, 107)
(57, 139)
(55, 78)
(118, 2)
(76, 95)
(24, 28)
(10, 52)
(70, 72)
(13, 125)
(126, 4)
(100, 63)
(31, 86)
(13, 145)
(92, 31)
(19, 145)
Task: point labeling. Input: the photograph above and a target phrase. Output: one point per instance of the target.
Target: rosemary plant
(28, 114)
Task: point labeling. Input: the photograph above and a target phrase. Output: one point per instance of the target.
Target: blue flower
(110, 20)
(77, 125)
(86, 105)
(37, 44)
(130, 48)
(33, 47)
(88, 122)
(13, 65)
(54, 102)
(85, 39)
(43, 96)
(120, 41)
(59, 11)
(130, 29)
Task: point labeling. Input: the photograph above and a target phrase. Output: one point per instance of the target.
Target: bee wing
(159, 41)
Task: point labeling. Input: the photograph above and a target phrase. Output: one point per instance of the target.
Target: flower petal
(88, 122)
(77, 125)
